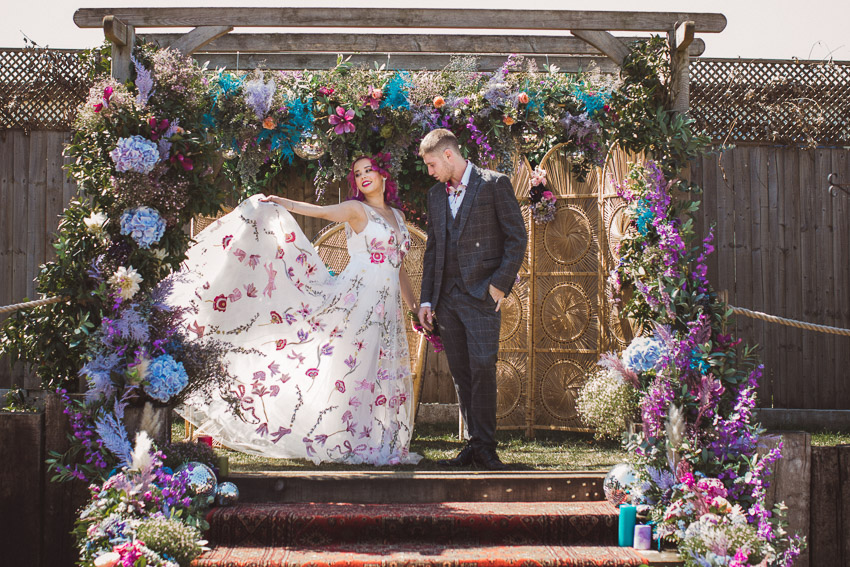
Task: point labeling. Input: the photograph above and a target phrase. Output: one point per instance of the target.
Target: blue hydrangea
(143, 224)
(135, 153)
(643, 354)
(166, 378)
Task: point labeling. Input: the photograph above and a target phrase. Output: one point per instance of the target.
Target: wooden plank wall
(783, 248)
(33, 193)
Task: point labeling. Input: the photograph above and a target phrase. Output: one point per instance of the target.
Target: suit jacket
(492, 239)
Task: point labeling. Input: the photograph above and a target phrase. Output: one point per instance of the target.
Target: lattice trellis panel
(41, 89)
(784, 102)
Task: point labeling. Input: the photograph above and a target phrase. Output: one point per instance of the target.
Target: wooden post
(680, 39)
(791, 481)
(61, 500)
(123, 38)
(21, 494)
(824, 528)
(844, 502)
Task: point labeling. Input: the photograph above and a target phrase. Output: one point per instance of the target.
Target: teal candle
(628, 518)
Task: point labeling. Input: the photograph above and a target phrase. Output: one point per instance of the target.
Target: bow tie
(455, 190)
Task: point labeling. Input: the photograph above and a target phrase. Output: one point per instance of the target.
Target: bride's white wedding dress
(320, 361)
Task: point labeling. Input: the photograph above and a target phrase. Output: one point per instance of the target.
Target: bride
(320, 361)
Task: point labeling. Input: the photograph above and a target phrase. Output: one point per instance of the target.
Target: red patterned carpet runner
(448, 534)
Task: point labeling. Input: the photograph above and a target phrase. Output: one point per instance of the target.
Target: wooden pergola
(577, 38)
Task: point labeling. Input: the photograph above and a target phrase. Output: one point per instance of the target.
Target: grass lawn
(550, 450)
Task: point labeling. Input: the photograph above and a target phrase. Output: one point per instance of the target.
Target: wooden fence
(783, 248)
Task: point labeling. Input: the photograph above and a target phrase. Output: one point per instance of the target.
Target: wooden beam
(188, 43)
(398, 43)
(684, 35)
(604, 42)
(299, 61)
(115, 31)
(680, 65)
(123, 38)
(402, 18)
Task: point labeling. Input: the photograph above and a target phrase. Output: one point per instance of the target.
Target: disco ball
(310, 147)
(618, 484)
(226, 494)
(201, 478)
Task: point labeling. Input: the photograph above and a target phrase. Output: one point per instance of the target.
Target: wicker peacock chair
(331, 245)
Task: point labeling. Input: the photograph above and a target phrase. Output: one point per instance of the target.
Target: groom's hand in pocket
(498, 296)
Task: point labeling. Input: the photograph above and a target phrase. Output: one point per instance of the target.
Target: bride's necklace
(385, 213)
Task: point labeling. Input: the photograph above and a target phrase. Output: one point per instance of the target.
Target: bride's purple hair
(380, 163)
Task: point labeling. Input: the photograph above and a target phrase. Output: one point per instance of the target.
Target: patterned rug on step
(423, 555)
(445, 523)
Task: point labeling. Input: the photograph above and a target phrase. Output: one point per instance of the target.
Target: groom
(476, 244)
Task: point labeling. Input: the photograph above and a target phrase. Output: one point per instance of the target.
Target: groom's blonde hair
(437, 141)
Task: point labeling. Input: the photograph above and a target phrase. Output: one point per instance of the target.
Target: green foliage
(171, 538)
(15, 401)
(641, 121)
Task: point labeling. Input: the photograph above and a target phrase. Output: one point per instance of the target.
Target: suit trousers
(469, 329)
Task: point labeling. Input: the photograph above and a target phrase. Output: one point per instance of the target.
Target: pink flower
(220, 303)
(380, 400)
(340, 385)
(290, 237)
(104, 103)
(548, 195)
(373, 99)
(327, 91)
(342, 120)
(312, 372)
(378, 257)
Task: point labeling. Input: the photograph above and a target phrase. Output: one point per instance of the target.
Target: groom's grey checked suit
(483, 244)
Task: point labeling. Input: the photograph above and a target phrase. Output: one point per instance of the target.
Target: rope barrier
(790, 322)
(736, 310)
(36, 303)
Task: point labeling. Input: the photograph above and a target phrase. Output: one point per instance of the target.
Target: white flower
(160, 254)
(95, 223)
(127, 281)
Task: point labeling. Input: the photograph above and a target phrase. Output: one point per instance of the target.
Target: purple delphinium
(654, 406)
(485, 151)
(83, 432)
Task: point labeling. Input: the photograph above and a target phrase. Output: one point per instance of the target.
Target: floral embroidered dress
(321, 361)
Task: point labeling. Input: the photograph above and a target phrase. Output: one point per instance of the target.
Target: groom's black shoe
(487, 459)
(463, 459)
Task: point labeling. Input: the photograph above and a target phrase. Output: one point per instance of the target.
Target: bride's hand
(270, 199)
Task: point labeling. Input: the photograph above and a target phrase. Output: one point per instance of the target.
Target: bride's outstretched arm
(347, 211)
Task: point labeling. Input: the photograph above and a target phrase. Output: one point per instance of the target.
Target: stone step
(434, 555)
(447, 523)
(379, 487)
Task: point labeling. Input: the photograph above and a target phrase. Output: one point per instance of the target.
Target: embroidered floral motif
(311, 387)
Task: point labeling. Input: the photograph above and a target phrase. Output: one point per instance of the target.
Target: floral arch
(155, 143)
